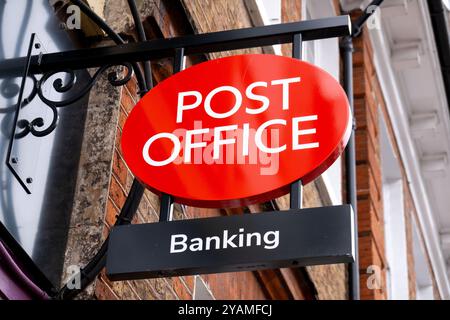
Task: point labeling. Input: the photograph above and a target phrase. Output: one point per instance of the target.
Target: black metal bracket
(62, 82)
(193, 44)
(55, 76)
(12, 161)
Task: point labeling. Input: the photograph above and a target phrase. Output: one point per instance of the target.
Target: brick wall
(368, 169)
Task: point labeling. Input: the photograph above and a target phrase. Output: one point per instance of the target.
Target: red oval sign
(237, 130)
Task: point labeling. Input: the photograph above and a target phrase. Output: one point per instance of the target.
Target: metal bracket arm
(194, 44)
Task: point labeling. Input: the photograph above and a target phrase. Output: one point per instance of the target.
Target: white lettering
(174, 243)
(208, 242)
(181, 106)
(196, 244)
(285, 83)
(228, 241)
(258, 137)
(175, 151)
(265, 101)
(269, 240)
(233, 110)
(274, 242)
(189, 145)
(296, 133)
(218, 139)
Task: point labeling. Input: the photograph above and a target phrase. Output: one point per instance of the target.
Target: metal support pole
(178, 60)
(166, 207)
(296, 193)
(350, 164)
(297, 46)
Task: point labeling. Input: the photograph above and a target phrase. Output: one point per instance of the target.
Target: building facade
(402, 142)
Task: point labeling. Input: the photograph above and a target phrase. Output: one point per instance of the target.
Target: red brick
(127, 101)
(362, 176)
(180, 289)
(359, 82)
(130, 179)
(103, 291)
(128, 292)
(189, 280)
(105, 231)
(119, 168)
(116, 193)
(118, 141)
(111, 213)
(122, 117)
(105, 279)
(133, 87)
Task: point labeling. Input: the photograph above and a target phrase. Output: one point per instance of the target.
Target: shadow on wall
(39, 222)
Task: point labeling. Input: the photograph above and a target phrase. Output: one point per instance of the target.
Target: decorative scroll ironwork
(9, 89)
(59, 85)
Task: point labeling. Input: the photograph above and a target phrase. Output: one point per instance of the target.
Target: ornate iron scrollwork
(35, 126)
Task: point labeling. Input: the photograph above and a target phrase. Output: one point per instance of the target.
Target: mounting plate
(24, 148)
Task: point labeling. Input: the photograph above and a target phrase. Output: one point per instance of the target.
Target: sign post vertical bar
(296, 195)
(296, 192)
(166, 207)
(178, 60)
(297, 46)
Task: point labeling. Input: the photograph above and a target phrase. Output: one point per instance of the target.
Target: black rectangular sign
(292, 238)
